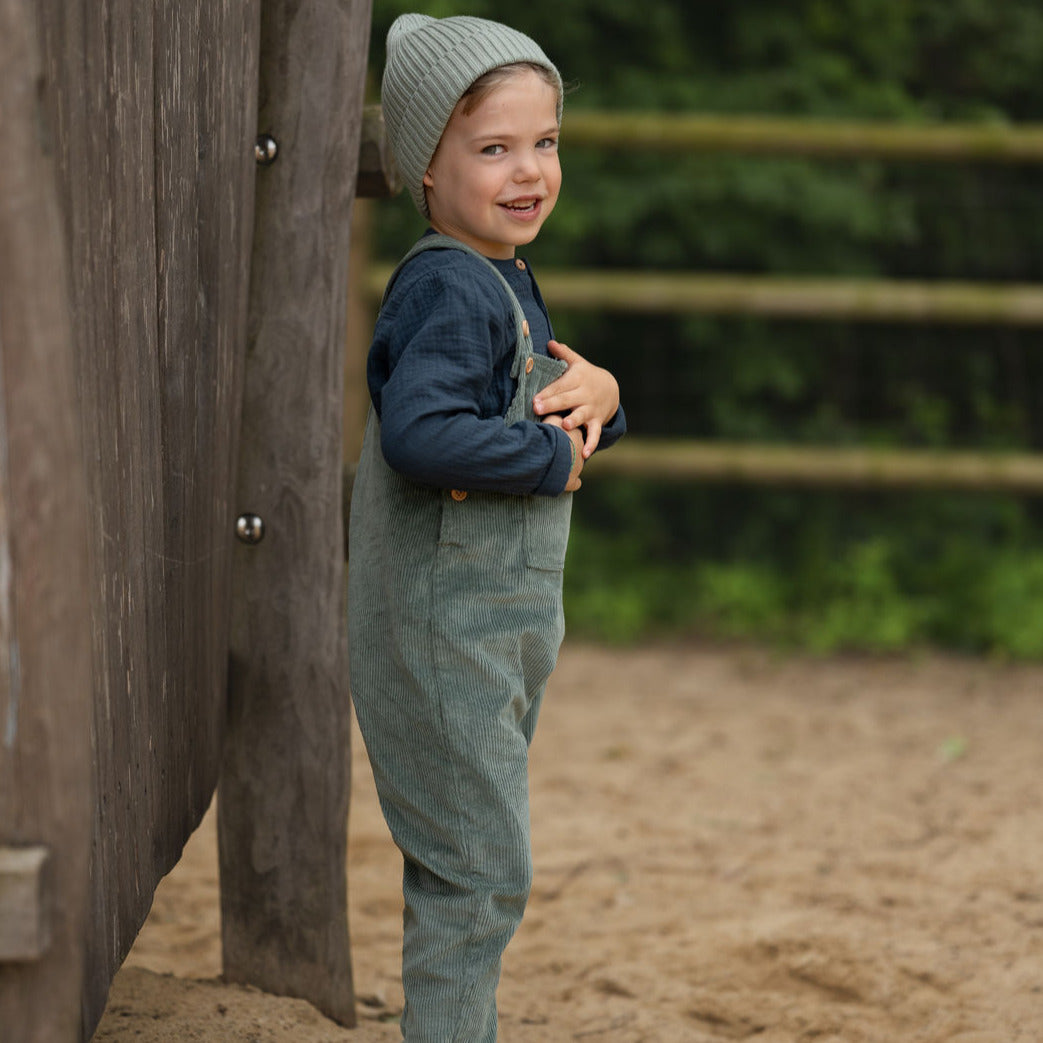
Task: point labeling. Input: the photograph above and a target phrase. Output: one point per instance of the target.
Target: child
(460, 508)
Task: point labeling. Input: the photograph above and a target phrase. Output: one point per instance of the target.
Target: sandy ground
(729, 845)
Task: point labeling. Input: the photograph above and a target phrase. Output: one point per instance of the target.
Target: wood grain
(45, 755)
(153, 104)
(284, 790)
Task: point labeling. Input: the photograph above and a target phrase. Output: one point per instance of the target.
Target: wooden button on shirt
(459, 495)
(529, 364)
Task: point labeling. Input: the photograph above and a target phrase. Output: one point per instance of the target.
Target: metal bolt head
(266, 149)
(250, 528)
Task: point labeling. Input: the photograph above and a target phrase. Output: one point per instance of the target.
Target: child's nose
(528, 168)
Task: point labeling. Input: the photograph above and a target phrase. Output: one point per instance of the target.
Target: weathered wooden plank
(111, 178)
(282, 806)
(182, 547)
(131, 489)
(45, 792)
(205, 114)
(155, 102)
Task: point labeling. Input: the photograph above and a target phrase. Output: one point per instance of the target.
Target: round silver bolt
(250, 528)
(266, 149)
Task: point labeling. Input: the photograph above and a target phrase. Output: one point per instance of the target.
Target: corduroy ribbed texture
(455, 621)
(430, 64)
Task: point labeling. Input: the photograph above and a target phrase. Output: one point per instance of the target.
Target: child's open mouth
(522, 208)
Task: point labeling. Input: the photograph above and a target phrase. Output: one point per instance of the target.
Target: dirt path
(728, 845)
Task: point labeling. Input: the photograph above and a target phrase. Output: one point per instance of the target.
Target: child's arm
(588, 391)
(438, 374)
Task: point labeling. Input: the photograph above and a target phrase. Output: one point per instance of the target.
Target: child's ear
(429, 181)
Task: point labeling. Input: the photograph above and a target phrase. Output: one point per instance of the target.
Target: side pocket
(485, 526)
(451, 523)
(547, 520)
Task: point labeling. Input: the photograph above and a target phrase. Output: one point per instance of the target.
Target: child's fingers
(593, 437)
(562, 351)
(559, 395)
(578, 417)
(569, 390)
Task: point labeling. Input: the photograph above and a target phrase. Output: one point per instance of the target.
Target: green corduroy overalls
(455, 621)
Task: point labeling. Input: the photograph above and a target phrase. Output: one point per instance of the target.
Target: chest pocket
(547, 518)
(533, 373)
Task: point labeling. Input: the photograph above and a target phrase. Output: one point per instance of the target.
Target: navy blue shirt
(439, 377)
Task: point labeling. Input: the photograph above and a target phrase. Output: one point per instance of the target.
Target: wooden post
(45, 705)
(282, 803)
(361, 315)
(378, 178)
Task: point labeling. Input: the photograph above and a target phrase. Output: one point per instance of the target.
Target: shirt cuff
(613, 431)
(557, 476)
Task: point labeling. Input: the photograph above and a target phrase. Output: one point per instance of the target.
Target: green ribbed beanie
(430, 64)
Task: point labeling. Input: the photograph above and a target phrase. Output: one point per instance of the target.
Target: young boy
(460, 508)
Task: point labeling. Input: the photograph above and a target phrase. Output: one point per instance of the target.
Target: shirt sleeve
(613, 431)
(441, 348)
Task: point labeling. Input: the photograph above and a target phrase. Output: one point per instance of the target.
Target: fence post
(45, 705)
(282, 803)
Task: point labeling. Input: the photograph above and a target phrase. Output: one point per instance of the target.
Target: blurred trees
(823, 570)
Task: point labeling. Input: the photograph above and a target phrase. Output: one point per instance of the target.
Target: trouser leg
(454, 789)
(453, 941)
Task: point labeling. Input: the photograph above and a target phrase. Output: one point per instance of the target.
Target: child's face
(495, 176)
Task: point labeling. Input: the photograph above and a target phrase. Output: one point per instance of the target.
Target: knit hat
(430, 64)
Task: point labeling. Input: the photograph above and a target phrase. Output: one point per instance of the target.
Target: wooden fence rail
(835, 139)
(785, 297)
(680, 460)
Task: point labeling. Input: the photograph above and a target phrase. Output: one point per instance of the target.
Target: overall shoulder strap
(446, 242)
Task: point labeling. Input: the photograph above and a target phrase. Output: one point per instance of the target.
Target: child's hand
(590, 392)
(578, 459)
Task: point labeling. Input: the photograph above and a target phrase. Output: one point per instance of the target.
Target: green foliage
(817, 570)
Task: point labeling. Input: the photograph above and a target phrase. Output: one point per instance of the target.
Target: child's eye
(493, 150)
(547, 143)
